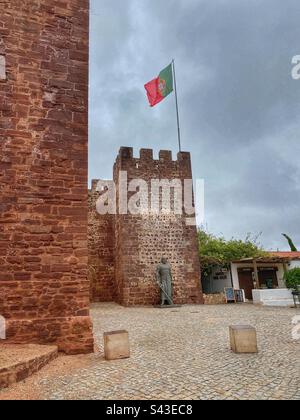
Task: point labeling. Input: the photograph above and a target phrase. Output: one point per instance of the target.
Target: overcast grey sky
(240, 107)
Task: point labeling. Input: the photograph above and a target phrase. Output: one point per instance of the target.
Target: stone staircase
(18, 362)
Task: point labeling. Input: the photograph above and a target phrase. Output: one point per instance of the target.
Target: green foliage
(292, 279)
(291, 243)
(219, 251)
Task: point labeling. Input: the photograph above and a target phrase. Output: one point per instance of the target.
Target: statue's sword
(164, 292)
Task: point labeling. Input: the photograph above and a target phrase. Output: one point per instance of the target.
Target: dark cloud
(240, 108)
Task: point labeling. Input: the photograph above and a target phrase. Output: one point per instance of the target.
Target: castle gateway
(125, 245)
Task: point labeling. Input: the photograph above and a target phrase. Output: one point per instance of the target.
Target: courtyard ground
(180, 353)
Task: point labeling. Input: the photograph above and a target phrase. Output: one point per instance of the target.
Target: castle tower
(140, 240)
(44, 292)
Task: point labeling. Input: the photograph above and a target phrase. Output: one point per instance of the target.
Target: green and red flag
(160, 87)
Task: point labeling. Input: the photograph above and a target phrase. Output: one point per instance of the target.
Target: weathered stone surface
(101, 252)
(128, 258)
(17, 363)
(243, 339)
(181, 354)
(116, 345)
(43, 173)
(215, 299)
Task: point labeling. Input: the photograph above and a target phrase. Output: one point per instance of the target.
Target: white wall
(216, 285)
(220, 284)
(235, 277)
(236, 266)
(274, 297)
(294, 264)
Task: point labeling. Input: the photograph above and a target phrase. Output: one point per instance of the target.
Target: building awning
(271, 258)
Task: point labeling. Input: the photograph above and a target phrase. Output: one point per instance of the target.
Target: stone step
(281, 303)
(18, 362)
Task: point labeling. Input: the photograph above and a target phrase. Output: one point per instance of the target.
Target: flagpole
(177, 110)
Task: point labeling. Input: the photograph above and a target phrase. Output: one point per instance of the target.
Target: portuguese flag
(160, 87)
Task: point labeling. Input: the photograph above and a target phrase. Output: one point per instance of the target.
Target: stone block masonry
(140, 240)
(18, 362)
(44, 292)
(101, 244)
(216, 299)
(116, 345)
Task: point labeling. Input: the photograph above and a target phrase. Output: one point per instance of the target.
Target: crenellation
(135, 243)
(126, 156)
(146, 154)
(184, 157)
(94, 184)
(165, 156)
(125, 153)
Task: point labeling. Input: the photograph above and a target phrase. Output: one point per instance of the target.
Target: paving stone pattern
(184, 353)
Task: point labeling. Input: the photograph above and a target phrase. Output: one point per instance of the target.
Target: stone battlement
(124, 249)
(146, 167)
(127, 153)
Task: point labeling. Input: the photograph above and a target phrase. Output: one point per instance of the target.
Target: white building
(259, 275)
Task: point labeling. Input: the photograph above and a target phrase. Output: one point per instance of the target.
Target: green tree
(219, 251)
(291, 243)
(292, 279)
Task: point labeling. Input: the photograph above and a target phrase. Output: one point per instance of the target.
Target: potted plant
(292, 279)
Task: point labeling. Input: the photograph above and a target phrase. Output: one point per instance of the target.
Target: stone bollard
(116, 345)
(243, 339)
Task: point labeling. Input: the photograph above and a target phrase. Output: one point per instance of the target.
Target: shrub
(292, 279)
(216, 251)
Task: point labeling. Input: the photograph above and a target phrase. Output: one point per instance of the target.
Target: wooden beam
(256, 273)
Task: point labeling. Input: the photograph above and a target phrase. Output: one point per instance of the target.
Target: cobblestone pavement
(184, 353)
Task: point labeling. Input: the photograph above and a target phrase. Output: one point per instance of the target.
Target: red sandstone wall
(101, 252)
(141, 241)
(44, 292)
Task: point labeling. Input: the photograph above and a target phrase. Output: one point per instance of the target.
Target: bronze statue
(164, 280)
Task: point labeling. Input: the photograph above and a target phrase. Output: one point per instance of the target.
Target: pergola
(267, 259)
